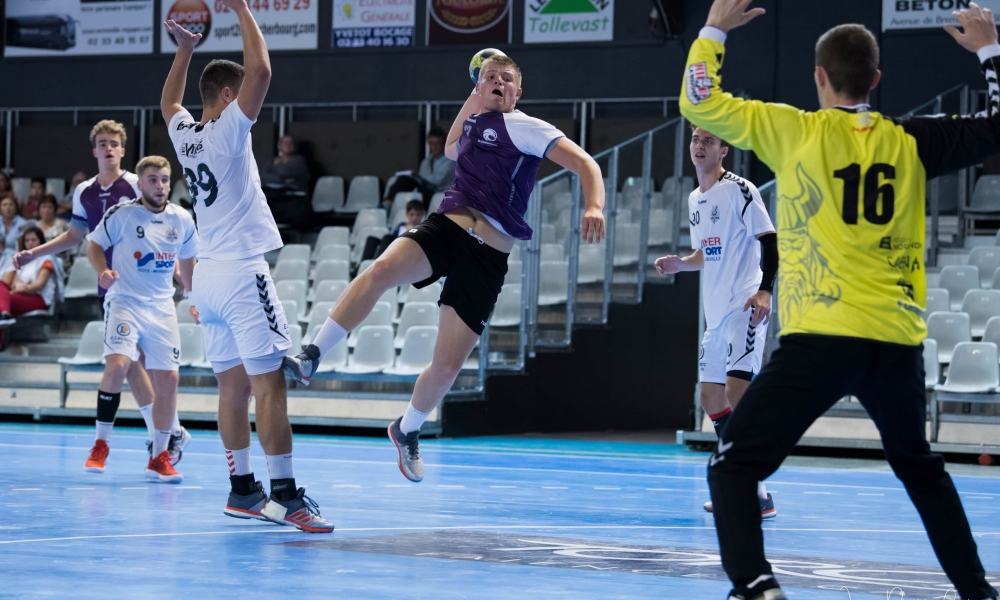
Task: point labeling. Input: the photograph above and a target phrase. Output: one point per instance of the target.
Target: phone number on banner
(374, 37)
(267, 5)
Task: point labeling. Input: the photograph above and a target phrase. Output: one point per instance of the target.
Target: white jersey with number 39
(725, 222)
(234, 221)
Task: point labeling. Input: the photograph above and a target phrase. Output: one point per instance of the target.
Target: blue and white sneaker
(303, 365)
(767, 510)
(762, 588)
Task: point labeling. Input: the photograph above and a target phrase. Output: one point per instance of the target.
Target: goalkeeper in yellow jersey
(851, 281)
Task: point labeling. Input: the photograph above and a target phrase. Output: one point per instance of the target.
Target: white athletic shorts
(239, 311)
(130, 323)
(733, 349)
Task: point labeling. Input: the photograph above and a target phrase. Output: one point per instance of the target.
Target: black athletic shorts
(474, 270)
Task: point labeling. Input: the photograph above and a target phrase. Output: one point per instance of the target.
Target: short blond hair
(152, 162)
(501, 60)
(107, 126)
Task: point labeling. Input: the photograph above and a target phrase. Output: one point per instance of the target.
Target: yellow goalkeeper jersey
(850, 199)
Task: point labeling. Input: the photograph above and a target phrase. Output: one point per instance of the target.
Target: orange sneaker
(98, 454)
(160, 469)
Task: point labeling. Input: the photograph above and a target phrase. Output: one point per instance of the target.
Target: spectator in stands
(66, 204)
(5, 185)
(33, 287)
(50, 224)
(436, 174)
(11, 224)
(289, 168)
(415, 214)
(29, 207)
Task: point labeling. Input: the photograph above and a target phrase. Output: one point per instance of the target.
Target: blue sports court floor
(495, 518)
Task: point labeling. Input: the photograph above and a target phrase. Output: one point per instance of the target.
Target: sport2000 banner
(78, 27)
(286, 24)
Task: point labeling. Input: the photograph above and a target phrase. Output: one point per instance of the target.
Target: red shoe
(98, 454)
(160, 469)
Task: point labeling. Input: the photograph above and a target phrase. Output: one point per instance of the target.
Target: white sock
(239, 461)
(104, 430)
(147, 416)
(412, 419)
(175, 429)
(161, 440)
(761, 490)
(330, 334)
(279, 466)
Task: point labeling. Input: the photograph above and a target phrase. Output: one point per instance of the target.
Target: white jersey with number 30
(725, 222)
(234, 221)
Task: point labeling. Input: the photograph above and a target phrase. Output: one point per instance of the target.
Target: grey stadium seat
(958, 279)
(948, 329)
(362, 194)
(328, 195)
(981, 306)
(937, 301)
(973, 369)
(986, 259)
(932, 368)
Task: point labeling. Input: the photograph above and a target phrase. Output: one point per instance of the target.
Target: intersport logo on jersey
(161, 261)
(712, 248)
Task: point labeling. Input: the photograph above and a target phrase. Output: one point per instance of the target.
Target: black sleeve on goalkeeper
(768, 261)
(948, 143)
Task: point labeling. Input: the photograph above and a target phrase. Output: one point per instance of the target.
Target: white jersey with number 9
(234, 221)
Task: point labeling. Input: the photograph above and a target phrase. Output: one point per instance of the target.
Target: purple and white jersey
(91, 200)
(498, 156)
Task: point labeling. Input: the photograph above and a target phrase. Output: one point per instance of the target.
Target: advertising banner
(569, 21)
(286, 24)
(927, 14)
(373, 23)
(78, 27)
(481, 22)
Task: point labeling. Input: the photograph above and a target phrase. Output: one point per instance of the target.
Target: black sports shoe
(408, 447)
(303, 365)
(763, 588)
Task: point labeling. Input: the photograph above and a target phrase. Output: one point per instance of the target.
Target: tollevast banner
(373, 23)
(78, 27)
(286, 24)
(927, 14)
(569, 21)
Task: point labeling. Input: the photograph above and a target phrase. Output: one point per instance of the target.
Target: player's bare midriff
(467, 217)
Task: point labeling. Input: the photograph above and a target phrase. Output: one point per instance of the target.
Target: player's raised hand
(22, 258)
(730, 14)
(185, 39)
(668, 265)
(761, 304)
(593, 226)
(978, 28)
(108, 278)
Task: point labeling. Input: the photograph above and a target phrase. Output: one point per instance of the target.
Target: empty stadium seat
(318, 315)
(90, 350)
(291, 308)
(293, 290)
(436, 201)
(973, 369)
(507, 312)
(415, 314)
(592, 258)
(82, 282)
(418, 349)
(21, 186)
(329, 236)
(626, 244)
(329, 290)
(548, 233)
(363, 235)
(369, 217)
(948, 329)
(986, 259)
(932, 368)
(295, 252)
(192, 344)
(431, 293)
(677, 190)
(513, 272)
(554, 188)
(553, 252)
(985, 195)
(554, 283)
(329, 270)
(184, 312)
(981, 306)
(559, 202)
(992, 331)
(656, 200)
(56, 186)
(334, 252)
(563, 225)
(336, 357)
(295, 337)
(660, 226)
(287, 270)
(515, 253)
(374, 351)
(958, 279)
(363, 193)
(381, 314)
(937, 300)
(328, 195)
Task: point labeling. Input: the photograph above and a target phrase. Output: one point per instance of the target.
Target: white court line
(399, 485)
(188, 487)
(503, 487)
(554, 487)
(863, 494)
(700, 478)
(452, 487)
(81, 488)
(819, 493)
(347, 485)
(606, 488)
(471, 528)
(135, 488)
(26, 489)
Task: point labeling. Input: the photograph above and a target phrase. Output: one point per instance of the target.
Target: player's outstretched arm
(105, 276)
(568, 155)
(255, 61)
(670, 264)
(473, 106)
(172, 98)
(70, 238)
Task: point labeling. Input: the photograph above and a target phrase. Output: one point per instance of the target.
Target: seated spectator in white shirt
(48, 221)
(34, 286)
(436, 173)
(66, 204)
(288, 169)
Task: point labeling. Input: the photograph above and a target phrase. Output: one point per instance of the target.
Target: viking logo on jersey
(162, 261)
(715, 216)
(712, 248)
